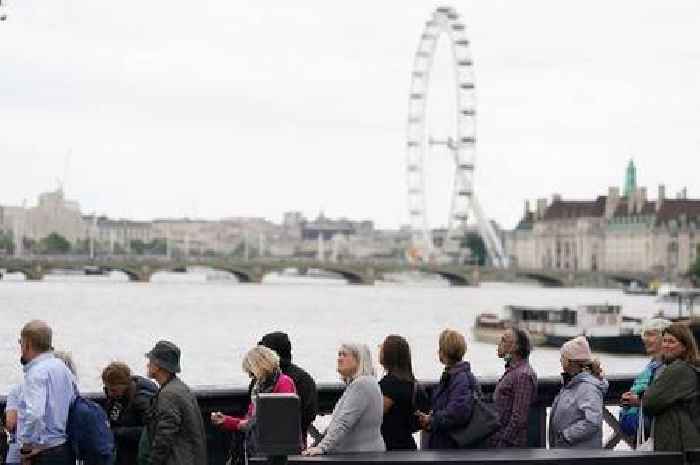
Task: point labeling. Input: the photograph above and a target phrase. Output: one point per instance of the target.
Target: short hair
(452, 345)
(38, 334)
(655, 324)
(362, 354)
(67, 359)
(522, 342)
(396, 357)
(261, 362)
(116, 374)
(682, 333)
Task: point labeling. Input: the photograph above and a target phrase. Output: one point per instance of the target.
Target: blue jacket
(451, 404)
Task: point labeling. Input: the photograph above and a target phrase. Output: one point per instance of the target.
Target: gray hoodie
(576, 419)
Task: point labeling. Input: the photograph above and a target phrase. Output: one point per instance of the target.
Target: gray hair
(66, 358)
(655, 324)
(363, 355)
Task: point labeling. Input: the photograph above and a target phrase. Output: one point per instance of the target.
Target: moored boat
(603, 324)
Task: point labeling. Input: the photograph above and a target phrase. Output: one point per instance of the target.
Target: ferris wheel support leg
(494, 247)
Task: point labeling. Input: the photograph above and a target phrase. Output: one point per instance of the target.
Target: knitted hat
(577, 349)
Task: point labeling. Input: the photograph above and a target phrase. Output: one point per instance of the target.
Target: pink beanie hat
(577, 349)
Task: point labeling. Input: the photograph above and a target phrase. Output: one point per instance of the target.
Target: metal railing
(234, 401)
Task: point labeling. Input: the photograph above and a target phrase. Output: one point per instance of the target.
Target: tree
(137, 246)
(695, 271)
(54, 243)
(7, 243)
(475, 244)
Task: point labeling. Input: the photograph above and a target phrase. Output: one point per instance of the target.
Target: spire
(630, 179)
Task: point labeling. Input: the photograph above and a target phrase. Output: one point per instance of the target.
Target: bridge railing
(234, 401)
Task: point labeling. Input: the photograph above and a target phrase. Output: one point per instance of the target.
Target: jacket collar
(37, 360)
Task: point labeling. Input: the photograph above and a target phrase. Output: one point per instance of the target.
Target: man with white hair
(652, 339)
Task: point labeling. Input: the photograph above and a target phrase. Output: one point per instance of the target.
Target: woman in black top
(398, 386)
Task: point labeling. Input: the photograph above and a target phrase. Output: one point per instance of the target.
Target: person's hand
(630, 398)
(423, 420)
(217, 418)
(243, 425)
(28, 454)
(312, 451)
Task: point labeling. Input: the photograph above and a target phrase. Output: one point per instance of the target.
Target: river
(102, 319)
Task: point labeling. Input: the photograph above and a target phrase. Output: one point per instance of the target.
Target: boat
(488, 327)
(635, 288)
(602, 324)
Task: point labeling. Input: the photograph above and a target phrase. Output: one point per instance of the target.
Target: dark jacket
(304, 383)
(451, 404)
(127, 417)
(672, 399)
(175, 427)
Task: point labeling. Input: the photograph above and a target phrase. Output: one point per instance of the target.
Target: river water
(102, 319)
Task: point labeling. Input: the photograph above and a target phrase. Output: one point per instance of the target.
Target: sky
(216, 108)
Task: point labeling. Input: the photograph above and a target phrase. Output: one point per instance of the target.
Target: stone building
(52, 214)
(609, 233)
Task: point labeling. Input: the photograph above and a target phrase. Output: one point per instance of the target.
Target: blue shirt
(15, 402)
(49, 390)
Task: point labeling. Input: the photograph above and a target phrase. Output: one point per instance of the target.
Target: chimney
(661, 197)
(541, 207)
(612, 201)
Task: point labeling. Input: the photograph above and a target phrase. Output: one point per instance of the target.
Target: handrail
(234, 400)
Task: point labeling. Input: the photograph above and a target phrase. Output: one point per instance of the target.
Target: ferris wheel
(462, 144)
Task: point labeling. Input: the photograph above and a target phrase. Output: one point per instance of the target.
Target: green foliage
(7, 243)
(695, 270)
(82, 246)
(475, 244)
(155, 247)
(54, 243)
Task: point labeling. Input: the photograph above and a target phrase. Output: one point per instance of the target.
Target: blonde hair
(363, 355)
(452, 345)
(261, 362)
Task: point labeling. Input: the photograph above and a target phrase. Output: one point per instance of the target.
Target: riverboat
(636, 289)
(602, 324)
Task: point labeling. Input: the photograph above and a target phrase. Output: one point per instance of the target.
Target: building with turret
(613, 232)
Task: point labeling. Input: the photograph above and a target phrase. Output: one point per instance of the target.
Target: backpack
(89, 435)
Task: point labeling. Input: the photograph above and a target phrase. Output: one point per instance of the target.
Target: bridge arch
(544, 279)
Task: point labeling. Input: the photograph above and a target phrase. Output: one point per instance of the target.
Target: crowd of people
(157, 421)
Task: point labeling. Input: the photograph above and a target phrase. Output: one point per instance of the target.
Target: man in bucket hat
(175, 431)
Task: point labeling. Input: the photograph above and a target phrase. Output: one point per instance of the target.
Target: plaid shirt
(515, 392)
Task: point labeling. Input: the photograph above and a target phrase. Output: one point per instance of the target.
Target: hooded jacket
(672, 399)
(304, 383)
(127, 417)
(576, 419)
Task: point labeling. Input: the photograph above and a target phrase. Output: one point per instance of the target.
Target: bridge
(142, 268)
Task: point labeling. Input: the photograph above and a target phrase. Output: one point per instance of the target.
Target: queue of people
(157, 421)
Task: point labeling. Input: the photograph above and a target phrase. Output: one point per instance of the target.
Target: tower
(630, 179)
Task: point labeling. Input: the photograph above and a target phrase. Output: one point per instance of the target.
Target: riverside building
(614, 232)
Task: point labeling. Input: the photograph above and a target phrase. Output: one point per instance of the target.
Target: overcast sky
(222, 108)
